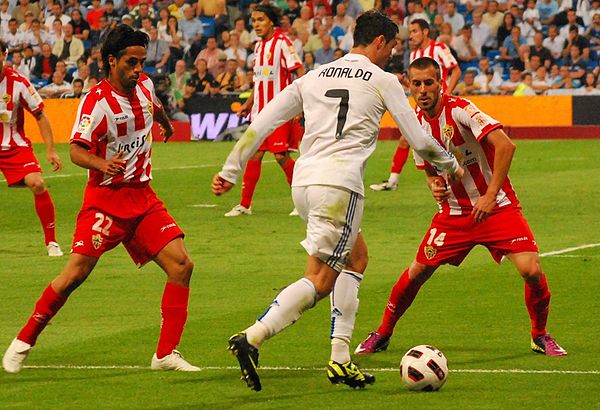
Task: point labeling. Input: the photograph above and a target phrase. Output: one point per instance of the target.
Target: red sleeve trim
(487, 129)
(294, 67)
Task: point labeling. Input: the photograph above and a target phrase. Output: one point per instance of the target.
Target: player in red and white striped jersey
(112, 138)
(422, 46)
(275, 64)
(17, 160)
(481, 209)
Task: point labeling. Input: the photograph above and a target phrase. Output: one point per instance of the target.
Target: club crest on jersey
(97, 241)
(84, 123)
(4, 117)
(430, 252)
(448, 132)
(6, 98)
(150, 108)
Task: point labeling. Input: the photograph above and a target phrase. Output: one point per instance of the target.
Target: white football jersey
(343, 103)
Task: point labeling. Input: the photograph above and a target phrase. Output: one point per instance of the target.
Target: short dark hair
(272, 12)
(78, 80)
(371, 25)
(117, 40)
(424, 63)
(421, 23)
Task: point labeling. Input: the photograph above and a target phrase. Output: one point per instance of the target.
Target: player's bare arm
(161, 117)
(437, 185)
(504, 150)
(82, 157)
(46, 133)
(453, 79)
(246, 107)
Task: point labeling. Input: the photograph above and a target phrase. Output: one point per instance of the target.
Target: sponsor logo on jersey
(121, 118)
(97, 241)
(78, 244)
(85, 123)
(171, 225)
(521, 239)
(430, 252)
(480, 119)
(448, 132)
(6, 98)
(471, 110)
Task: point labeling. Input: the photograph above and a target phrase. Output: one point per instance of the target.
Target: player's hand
(167, 131)
(245, 109)
(439, 190)
(115, 165)
(219, 186)
(483, 207)
(54, 160)
(455, 177)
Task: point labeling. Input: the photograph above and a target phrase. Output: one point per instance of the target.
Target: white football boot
(173, 361)
(15, 355)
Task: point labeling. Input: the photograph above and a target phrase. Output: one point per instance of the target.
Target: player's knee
(358, 263)
(282, 158)
(181, 270)
(323, 286)
(532, 271)
(37, 185)
(420, 273)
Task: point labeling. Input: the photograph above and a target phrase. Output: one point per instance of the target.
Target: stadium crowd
(507, 47)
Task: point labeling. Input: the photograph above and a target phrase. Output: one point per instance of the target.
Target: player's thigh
(505, 233)
(278, 141)
(174, 259)
(527, 264)
(333, 216)
(76, 271)
(153, 231)
(448, 240)
(18, 165)
(359, 257)
(97, 232)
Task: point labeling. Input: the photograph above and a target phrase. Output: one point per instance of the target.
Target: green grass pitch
(96, 352)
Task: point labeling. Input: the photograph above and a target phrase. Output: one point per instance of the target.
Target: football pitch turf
(96, 352)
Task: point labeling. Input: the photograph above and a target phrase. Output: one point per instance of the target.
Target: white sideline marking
(319, 369)
(203, 206)
(566, 250)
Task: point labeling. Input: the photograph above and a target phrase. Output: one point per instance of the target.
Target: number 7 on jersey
(344, 97)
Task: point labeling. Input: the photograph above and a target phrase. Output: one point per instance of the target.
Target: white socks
(393, 179)
(287, 307)
(344, 304)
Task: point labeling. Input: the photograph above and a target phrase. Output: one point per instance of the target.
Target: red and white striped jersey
(441, 54)
(460, 126)
(274, 61)
(109, 122)
(16, 94)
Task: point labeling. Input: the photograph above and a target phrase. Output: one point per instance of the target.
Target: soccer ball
(424, 368)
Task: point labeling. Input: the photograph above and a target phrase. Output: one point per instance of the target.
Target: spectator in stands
(230, 81)
(77, 90)
(595, 9)
(206, 8)
(296, 42)
(465, 46)
(574, 38)
(510, 47)
(554, 43)
(235, 52)
(96, 36)
(589, 86)
(72, 5)
(15, 40)
(538, 49)
(174, 38)
(178, 79)
(315, 40)
(240, 28)
(5, 16)
(211, 55)
(505, 28)
(57, 14)
(17, 64)
(57, 87)
(353, 8)
(493, 19)
(221, 18)
(468, 86)
(547, 10)
(525, 89)
(161, 23)
(509, 86)
(202, 81)
(158, 53)
(112, 14)
(45, 63)
(571, 21)
(541, 81)
(22, 8)
(341, 19)
(309, 61)
(395, 8)
(93, 15)
(577, 66)
(36, 37)
(127, 20)
(303, 24)
(61, 67)
(481, 33)
(29, 59)
(192, 31)
(56, 33)
(81, 28)
(141, 12)
(293, 11)
(223, 40)
(175, 8)
(593, 33)
(453, 17)
(69, 47)
(564, 79)
(146, 25)
(487, 77)
(324, 55)
(25, 27)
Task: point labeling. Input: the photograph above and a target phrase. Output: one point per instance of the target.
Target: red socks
(537, 299)
(288, 168)
(402, 296)
(46, 307)
(251, 177)
(45, 210)
(400, 158)
(174, 315)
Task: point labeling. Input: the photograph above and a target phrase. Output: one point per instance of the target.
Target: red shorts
(279, 141)
(19, 163)
(143, 234)
(296, 134)
(451, 238)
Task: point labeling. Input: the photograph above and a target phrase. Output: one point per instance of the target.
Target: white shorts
(333, 216)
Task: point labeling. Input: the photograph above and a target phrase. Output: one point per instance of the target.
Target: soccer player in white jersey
(421, 46)
(343, 103)
(482, 209)
(274, 64)
(18, 163)
(112, 138)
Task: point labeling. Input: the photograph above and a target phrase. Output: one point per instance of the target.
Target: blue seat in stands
(208, 24)
(150, 70)
(493, 54)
